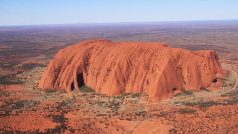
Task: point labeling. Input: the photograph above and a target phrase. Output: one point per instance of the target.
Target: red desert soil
(24, 108)
(113, 68)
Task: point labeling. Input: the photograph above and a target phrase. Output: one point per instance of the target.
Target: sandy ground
(26, 109)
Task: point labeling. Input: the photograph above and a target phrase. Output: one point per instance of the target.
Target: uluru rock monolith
(112, 68)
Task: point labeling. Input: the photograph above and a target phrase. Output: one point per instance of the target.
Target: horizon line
(116, 23)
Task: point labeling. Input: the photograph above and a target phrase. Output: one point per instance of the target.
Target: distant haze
(32, 12)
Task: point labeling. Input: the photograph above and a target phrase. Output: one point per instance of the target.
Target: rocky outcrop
(112, 68)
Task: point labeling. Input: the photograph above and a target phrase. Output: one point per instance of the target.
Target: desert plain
(25, 51)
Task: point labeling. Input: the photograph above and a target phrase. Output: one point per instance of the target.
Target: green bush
(31, 66)
(184, 93)
(205, 89)
(186, 111)
(201, 104)
(135, 95)
(86, 89)
(9, 80)
(50, 91)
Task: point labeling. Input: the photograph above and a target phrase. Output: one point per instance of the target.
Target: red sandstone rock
(133, 67)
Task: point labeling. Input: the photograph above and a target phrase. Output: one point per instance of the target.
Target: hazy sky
(27, 12)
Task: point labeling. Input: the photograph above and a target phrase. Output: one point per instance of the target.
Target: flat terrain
(25, 52)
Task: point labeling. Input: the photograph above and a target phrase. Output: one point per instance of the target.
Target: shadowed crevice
(80, 82)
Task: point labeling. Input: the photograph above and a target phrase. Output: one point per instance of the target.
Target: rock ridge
(111, 68)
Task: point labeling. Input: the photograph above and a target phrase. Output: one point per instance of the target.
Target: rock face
(112, 68)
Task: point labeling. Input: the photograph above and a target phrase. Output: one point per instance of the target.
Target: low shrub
(86, 89)
(184, 93)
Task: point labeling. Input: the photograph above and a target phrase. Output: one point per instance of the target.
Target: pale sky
(31, 12)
